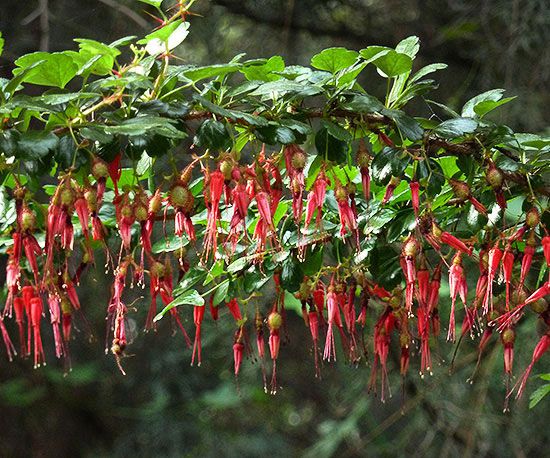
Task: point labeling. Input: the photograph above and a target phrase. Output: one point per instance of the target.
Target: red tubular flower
(81, 208)
(262, 200)
(125, 218)
(235, 310)
(348, 221)
(70, 290)
(274, 322)
(10, 348)
(546, 249)
(316, 199)
(215, 187)
(27, 292)
(415, 198)
(333, 315)
(409, 252)
(478, 205)
(383, 138)
(13, 273)
(507, 337)
(156, 272)
(457, 286)
(19, 307)
(241, 201)
(98, 231)
(66, 321)
(423, 325)
(214, 309)
(423, 278)
(36, 308)
(542, 347)
(115, 171)
(457, 244)
(510, 317)
(238, 350)
(32, 249)
(390, 188)
(198, 315)
(55, 320)
(382, 338)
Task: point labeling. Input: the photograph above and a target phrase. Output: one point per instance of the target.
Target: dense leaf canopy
(213, 183)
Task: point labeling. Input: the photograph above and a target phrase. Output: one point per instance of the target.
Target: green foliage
(160, 117)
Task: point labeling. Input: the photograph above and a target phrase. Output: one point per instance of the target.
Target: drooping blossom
(457, 286)
(198, 315)
(390, 188)
(316, 199)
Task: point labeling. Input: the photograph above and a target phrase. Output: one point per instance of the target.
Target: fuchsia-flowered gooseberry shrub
(219, 183)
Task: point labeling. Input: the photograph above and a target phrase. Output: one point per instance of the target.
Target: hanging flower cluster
(338, 301)
(297, 193)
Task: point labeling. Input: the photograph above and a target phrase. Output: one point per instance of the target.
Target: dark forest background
(163, 407)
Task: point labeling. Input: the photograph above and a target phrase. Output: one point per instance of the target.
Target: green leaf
(426, 71)
(336, 130)
(65, 152)
(393, 63)
(409, 46)
(276, 89)
(482, 108)
(408, 126)
(494, 95)
(144, 165)
(189, 297)
(53, 69)
(334, 59)
(313, 261)
(273, 134)
(146, 124)
(265, 71)
(34, 145)
(237, 265)
(1, 44)
(172, 244)
(372, 53)
(221, 292)
(538, 395)
(330, 147)
(166, 38)
(454, 128)
(91, 49)
(210, 71)
(291, 275)
(20, 76)
(193, 276)
(232, 114)
(388, 162)
(364, 103)
(214, 135)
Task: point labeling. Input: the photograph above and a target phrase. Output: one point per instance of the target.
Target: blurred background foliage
(163, 407)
